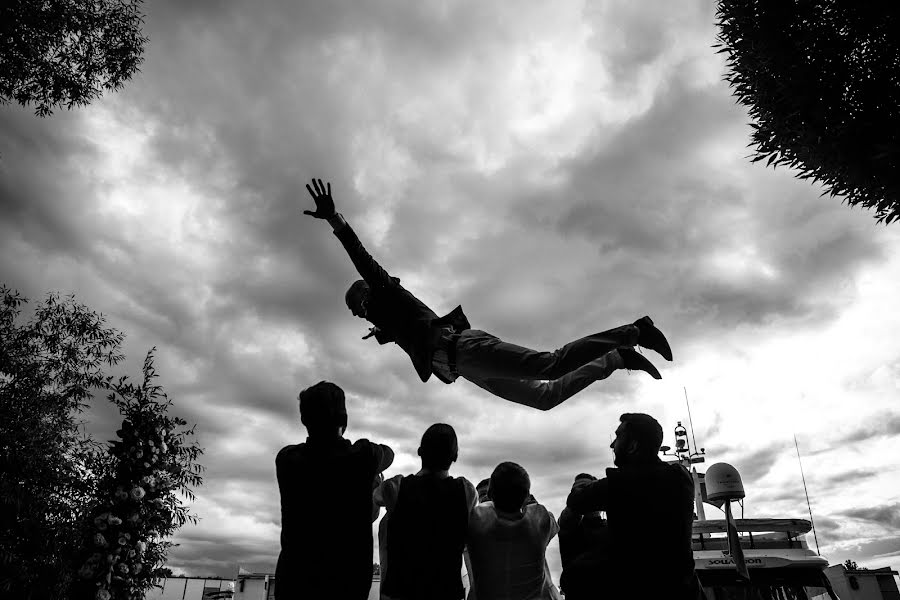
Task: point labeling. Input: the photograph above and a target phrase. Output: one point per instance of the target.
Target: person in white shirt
(507, 540)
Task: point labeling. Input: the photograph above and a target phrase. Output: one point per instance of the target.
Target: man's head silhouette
(439, 447)
(357, 298)
(510, 487)
(638, 439)
(323, 410)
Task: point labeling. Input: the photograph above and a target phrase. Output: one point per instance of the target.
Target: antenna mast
(805, 491)
(690, 420)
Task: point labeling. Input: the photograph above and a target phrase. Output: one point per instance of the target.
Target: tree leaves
(53, 477)
(821, 81)
(67, 52)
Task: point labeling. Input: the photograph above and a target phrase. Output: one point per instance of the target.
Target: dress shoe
(652, 338)
(634, 361)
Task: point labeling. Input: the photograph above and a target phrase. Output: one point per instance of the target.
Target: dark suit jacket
(401, 317)
(650, 512)
(326, 518)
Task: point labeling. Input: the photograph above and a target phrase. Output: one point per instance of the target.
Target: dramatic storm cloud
(556, 168)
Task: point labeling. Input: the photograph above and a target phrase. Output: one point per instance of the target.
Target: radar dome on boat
(723, 482)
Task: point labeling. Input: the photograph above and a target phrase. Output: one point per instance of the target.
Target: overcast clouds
(556, 168)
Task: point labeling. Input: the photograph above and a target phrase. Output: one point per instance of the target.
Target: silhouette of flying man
(449, 348)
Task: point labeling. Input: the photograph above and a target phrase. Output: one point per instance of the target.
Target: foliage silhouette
(821, 80)
(56, 481)
(67, 52)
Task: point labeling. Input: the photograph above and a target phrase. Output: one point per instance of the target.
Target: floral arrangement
(152, 462)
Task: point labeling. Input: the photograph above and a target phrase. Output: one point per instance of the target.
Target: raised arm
(366, 266)
(588, 496)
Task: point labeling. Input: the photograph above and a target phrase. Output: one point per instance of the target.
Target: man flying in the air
(449, 348)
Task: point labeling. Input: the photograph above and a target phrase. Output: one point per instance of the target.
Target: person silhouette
(649, 504)
(507, 540)
(583, 550)
(326, 503)
(448, 347)
(427, 516)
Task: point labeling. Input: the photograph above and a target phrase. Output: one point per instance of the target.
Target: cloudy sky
(556, 168)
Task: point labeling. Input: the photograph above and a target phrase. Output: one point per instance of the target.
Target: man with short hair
(649, 506)
(449, 348)
(326, 503)
(508, 538)
(427, 517)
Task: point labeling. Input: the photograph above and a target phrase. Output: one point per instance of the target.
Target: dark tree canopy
(821, 79)
(67, 52)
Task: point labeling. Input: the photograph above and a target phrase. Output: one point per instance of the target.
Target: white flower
(137, 492)
(123, 567)
(138, 567)
(114, 520)
(164, 448)
(141, 546)
(103, 594)
(99, 539)
(139, 454)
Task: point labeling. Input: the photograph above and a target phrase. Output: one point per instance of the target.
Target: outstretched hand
(321, 194)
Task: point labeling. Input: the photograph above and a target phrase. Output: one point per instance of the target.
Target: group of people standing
(332, 491)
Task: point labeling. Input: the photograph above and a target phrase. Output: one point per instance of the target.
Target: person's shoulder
(471, 494)
(537, 508)
(680, 475)
(290, 452)
(538, 513)
(481, 516)
(675, 469)
(465, 483)
(393, 482)
(484, 507)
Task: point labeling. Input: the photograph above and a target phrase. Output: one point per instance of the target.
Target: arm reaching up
(368, 267)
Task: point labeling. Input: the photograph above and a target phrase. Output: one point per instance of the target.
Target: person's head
(638, 439)
(510, 487)
(482, 488)
(323, 410)
(357, 298)
(439, 448)
(583, 479)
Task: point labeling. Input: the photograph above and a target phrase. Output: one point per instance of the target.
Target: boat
(772, 560)
(780, 564)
